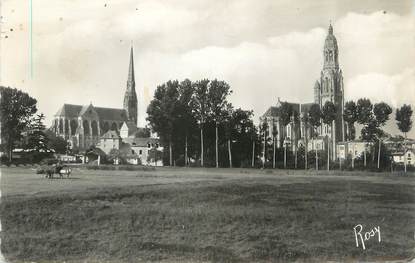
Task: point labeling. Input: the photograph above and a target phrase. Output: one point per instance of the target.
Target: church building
(83, 125)
(329, 87)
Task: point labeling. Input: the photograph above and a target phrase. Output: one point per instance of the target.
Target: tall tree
(229, 126)
(162, 113)
(285, 113)
(16, 110)
(364, 110)
(329, 115)
(263, 130)
(404, 121)
(57, 143)
(314, 117)
(186, 120)
(200, 106)
(305, 121)
(274, 135)
(218, 94)
(37, 139)
(350, 117)
(381, 112)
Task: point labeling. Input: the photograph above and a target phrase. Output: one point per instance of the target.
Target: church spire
(130, 97)
(330, 29)
(131, 78)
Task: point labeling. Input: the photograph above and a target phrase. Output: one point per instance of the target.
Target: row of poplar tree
(195, 121)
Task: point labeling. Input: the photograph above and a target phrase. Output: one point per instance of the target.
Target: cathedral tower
(130, 97)
(330, 87)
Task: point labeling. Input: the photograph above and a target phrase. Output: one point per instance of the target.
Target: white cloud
(264, 51)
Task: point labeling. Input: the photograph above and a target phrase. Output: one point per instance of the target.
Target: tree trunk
(171, 153)
(328, 154)
(230, 153)
(217, 142)
(380, 145)
(253, 154)
(273, 157)
(263, 153)
(285, 155)
(306, 151)
(404, 156)
(185, 152)
(364, 156)
(201, 146)
(295, 158)
(353, 159)
(316, 156)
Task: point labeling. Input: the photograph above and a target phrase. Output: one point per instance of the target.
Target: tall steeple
(130, 97)
(331, 51)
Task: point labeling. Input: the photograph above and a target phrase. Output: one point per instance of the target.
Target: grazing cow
(59, 169)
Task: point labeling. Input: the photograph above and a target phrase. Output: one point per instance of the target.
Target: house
(401, 156)
(110, 140)
(352, 149)
(148, 150)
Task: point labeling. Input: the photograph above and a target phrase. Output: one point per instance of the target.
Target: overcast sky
(264, 49)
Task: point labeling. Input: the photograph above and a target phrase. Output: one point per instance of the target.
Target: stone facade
(329, 87)
(83, 125)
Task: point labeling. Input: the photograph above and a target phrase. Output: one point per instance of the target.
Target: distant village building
(329, 87)
(404, 156)
(352, 149)
(85, 126)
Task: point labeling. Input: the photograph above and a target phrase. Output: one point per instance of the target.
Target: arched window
(94, 128)
(85, 125)
(66, 126)
(105, 127)
(60, 126)
(74, 126)
(114, 126)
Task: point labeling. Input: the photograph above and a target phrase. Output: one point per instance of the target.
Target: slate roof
(140, 142)
(273, 110)
(69, 110)
(111, 113)
(111, 135)
(73, 111)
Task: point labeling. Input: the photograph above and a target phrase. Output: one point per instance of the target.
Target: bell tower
(130, 97)
(330, 88)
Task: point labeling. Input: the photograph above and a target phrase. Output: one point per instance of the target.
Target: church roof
(273, 110)
(111, 113)
(69, 110)
(74, 111)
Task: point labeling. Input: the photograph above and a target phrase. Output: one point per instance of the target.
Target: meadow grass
(190, 215)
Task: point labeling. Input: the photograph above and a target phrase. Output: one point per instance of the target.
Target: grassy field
(205, 215)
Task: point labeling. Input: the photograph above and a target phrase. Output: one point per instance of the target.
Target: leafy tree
(217, 94)
(274, 135)
(350, 116)
(364, 109)
(305, 120)
(314, 117)
(16, 110)
(403, 118)
(57, 143)
(381, 112)
(36, 137)
(185, 119)
(162, 113)
(329, 115)
(200, 109)
(285, 114)
(263, 131)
